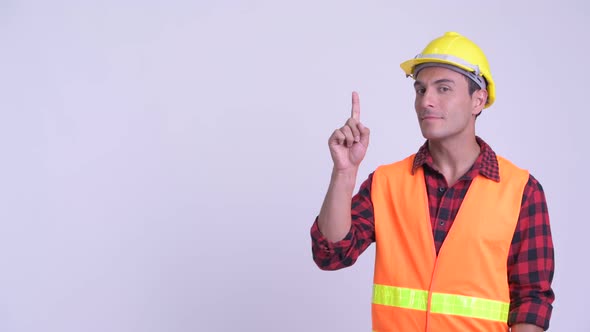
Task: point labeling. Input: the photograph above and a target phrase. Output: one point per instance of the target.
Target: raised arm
(348, 146)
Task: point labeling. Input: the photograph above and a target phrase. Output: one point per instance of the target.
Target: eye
(420, 91)
(444, 89)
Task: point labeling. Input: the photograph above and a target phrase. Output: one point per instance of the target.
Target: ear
(479, 100)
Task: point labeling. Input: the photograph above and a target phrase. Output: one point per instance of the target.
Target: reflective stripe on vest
(449, 304)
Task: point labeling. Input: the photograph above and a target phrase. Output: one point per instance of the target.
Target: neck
(453, 158)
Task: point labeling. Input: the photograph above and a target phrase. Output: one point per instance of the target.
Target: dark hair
(471, 88)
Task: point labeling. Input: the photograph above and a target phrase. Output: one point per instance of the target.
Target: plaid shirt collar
(486, 163)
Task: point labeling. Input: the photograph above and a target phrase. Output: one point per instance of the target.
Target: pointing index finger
(356, 107)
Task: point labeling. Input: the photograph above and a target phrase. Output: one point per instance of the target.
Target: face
(443, 105)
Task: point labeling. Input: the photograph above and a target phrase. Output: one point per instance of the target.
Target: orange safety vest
(465, 287)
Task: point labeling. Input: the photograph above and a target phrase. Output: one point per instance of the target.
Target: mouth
(430, 117)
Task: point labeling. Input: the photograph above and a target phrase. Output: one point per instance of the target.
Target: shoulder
(509, 170)
(504, 162)
(401, 165)
(533, 190)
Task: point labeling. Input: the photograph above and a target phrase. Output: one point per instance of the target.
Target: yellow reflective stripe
(400, 297)
(469, 306)
(449, 304)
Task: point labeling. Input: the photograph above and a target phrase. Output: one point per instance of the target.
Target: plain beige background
(162, 161)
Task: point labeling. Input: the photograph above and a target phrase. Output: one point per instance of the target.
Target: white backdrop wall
(162, 161)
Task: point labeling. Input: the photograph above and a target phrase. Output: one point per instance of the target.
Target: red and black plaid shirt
(530, 260)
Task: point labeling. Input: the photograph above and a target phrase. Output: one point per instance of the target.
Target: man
(462, 236)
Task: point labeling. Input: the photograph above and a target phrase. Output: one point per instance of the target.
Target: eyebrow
(442, 80)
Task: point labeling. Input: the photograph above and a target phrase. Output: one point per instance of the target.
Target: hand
(348, 144)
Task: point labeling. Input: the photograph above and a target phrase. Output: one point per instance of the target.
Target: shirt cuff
(533, 312)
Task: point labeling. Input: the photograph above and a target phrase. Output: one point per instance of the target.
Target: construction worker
(462, 235)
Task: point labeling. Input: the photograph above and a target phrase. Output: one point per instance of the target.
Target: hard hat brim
(408, 66)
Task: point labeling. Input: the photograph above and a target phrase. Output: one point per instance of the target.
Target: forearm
(337, 255)
(335, 215)
(525, 328)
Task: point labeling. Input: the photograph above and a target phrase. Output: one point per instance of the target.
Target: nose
(425, 100)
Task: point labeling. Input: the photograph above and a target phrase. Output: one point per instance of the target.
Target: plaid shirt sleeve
(530, 261)
(337, 255)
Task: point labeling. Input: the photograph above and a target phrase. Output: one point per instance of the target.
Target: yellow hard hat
(458, 51)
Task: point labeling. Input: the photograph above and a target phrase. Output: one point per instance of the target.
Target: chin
(432, 135)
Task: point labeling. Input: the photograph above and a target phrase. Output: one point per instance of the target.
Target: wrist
(344, 178)
(347, 173)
